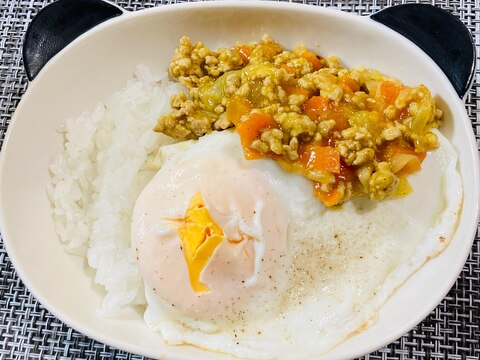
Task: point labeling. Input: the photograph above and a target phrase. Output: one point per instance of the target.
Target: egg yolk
(199, 236)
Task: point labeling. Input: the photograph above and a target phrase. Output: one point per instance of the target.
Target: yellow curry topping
(353, 132)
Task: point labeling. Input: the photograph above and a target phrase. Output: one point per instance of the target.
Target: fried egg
(238, 257)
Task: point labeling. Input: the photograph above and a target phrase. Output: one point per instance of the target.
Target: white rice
(97, 176)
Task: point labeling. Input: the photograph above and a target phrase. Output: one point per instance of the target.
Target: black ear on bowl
(57, 25)
(440, 34)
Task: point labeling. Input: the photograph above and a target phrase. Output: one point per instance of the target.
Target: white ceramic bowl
(100, 62)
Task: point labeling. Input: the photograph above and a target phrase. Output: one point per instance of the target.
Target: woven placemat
(28, 331)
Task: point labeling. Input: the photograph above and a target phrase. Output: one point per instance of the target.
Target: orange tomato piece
(236, 108)
(331, 198)
(270, 49)
(404, 113)
(411, 164)
(421, 156)
(316, 157)
(393, 148)
(403, 159)
(317, 107)
(250, 130)
(288, 69)
(312, 59)
(245, 52)
(407, 162)
(346, 173)
(348, 84)
(389, 91)
(341, 122)
(295, 90)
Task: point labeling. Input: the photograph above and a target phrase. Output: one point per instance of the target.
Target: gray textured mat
(28, 331)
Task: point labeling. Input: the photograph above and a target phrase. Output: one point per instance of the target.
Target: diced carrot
(331, 198)
(245, 52)
(317, 107)
(389, 91)
(348, 84)
(320, 108)
(295, 90)
(312, 59)
(250, 130)
(236, 108)
(316, 157)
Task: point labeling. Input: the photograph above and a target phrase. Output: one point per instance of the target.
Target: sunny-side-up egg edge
(321, 276)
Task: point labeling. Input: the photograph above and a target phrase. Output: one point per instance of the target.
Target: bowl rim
(250, 4)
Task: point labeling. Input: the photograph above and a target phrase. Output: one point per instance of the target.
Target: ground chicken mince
(352, 132)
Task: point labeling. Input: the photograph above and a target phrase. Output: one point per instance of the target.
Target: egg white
(342, 264)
